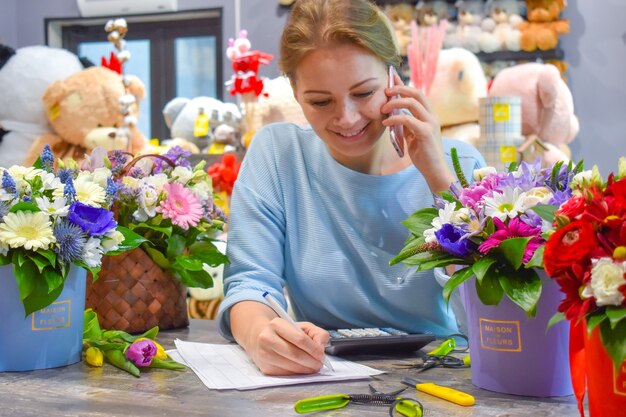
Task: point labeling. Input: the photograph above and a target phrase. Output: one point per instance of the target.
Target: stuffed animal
(25, 74)
(279, 106)
(84, 111)
(500, 29)
(194, 120)
(543, 28)
(459, 83)
(547, 108)
(401, 15)
(429, 13)
(467, 30)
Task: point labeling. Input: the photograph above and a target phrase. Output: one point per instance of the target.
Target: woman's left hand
(422, 133)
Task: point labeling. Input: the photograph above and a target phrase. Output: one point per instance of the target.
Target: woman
(318, 209)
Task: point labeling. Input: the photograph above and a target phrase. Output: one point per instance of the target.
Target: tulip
(141, 352)
(93, 356)
(160, 351)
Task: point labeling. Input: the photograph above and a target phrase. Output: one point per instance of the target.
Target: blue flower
(110, 190)
(94, 221)
(4, 209)
(69, 192)
(47, 159)
(449, 237)
(70, 241)
(8, 183)
(64, 174)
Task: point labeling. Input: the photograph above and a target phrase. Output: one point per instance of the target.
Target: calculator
(376, 340)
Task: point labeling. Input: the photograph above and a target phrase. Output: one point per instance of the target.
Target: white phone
(396, 133)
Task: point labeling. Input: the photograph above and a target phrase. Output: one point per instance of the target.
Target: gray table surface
(80, 390)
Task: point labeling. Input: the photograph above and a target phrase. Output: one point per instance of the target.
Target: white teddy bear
(25, 74)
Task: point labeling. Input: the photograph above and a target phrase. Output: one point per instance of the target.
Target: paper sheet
(228, 367)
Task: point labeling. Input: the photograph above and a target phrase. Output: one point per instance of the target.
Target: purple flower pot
(514, 354)
(48, 338)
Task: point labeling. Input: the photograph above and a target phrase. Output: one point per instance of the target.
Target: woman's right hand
(274, 345)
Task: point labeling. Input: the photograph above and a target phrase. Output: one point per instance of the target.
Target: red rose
(572, 208)
(569, 245)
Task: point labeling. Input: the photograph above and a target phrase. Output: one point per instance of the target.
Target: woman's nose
(348, 115)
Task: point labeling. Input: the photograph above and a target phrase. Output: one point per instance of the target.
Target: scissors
(403, 406)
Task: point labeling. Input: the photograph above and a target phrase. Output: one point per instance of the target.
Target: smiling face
(341, 91)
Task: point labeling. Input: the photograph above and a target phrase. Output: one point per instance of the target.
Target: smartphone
(396, 133)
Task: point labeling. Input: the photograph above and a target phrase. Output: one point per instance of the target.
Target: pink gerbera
(515, 228)
(181, 205)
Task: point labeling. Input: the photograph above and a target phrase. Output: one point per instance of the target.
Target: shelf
(521, 55)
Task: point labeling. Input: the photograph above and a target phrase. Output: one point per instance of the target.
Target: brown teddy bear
(543, 28)
(84, 110)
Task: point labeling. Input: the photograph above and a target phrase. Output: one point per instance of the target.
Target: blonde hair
(315, 24)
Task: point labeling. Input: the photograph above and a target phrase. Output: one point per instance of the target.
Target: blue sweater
(300, 219)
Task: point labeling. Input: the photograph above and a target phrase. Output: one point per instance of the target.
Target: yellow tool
(446, 393)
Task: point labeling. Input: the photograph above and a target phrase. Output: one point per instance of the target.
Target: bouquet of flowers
(170, 204)
(491, 229)
(586, 255)
(51, 220)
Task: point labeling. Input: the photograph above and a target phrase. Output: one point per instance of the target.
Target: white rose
(537, 195)
(481, 173)
(112, 241)
(182, 174)
(157, 181)
(100, 176)
(606, 279)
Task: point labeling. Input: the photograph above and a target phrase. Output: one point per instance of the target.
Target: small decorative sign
(500, 335)
(508, 153)
(501, 112)
(55, 316)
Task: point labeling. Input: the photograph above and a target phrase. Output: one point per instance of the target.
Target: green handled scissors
(404, 406)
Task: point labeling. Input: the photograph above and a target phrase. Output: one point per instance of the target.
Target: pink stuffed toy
(548, 120)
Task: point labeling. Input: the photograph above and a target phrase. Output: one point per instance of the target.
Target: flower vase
(134, 294)
(514, 354)
(606, 385)
(48, 338)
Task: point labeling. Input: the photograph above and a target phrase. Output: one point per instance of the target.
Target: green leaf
(25, 277)
(545, 211)
(131, 241)
(117, 359)
(613, 340)
(111, 335)
(175, 246)
(421, 220)
(558, 317)
(149, 334)
(455, 280)
(187, 262)
(513, 250)
(166, 230)
(523, 287)
(53, 278)
(166, 364)
(594, 320)
(157, 257)
(482, 266)
(40, 262)
(194, 279)
(49, 255)
(40, 296)
(91, 326)
(537, 260)
(23, 206)
(615, 315)
(5, 260)
(489, 290)
(436, 263)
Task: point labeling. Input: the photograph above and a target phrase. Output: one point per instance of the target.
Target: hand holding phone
(396, 133)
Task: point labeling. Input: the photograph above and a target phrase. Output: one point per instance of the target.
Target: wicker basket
(134, 294)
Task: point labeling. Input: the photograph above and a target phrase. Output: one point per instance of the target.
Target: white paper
(229, 367)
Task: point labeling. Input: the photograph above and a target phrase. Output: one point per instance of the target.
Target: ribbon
(577, 361)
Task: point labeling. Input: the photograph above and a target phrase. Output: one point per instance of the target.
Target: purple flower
(70, 241)
(8, 183)
(47, 159)
(92, 220)
(449, 237)
(141, 352)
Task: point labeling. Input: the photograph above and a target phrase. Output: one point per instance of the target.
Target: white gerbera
(88, 192)
(56, 208)
(31, 230)
(92, 253)
(508, 204)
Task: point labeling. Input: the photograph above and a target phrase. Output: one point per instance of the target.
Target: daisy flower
(56, 208)
(181, 206)
(31, 230)
(509, 204)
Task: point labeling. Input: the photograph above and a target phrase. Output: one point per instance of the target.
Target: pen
(285, 316)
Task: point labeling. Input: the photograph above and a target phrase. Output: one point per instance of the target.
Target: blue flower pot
(48, 338)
